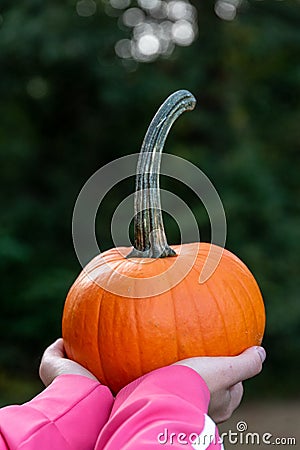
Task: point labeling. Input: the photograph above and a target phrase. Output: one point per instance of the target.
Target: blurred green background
(69, 105)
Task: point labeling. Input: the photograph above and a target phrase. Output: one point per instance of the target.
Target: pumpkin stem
(149, 234)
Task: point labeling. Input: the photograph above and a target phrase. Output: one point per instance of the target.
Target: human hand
(224, 376)
(54, 363)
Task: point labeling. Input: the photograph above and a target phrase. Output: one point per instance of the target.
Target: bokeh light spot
(37, 88)
(183, 32)
(120, 4)
(148, 45)
(149, 4)
(123, 48)
(160, 11)
(225, 10)
(133, 17)
(180, 10)
(86, 8)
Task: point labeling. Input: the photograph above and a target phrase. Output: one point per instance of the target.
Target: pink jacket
(166, 408)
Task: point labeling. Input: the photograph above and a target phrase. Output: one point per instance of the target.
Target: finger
(219, 406)
(56, 349)
(230, 400)
(236, 395)
(239, 368)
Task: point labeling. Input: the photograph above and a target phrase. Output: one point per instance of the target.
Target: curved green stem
(149, 234)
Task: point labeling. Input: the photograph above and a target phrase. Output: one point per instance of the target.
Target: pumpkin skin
(119, 338)
(131, 311)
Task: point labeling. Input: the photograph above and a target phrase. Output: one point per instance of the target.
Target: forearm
(165, 408)
(70, 413)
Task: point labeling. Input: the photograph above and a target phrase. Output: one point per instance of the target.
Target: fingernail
(262, 353)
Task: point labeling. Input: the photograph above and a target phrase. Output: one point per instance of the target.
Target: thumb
(55, 350)
(244, 366)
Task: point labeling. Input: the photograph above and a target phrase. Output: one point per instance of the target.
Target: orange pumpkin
(134, 310)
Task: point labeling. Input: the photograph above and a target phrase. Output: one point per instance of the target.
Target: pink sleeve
(166, 408)
(69, 414)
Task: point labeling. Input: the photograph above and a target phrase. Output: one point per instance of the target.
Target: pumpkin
(133, 310)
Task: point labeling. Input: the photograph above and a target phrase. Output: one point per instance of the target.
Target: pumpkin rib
(134, 306)
(245, 287)
(70, 306)
(170, 291)
(80, 327)
(103, 291)
(74, 323)
(221, 315)
(197, 306)
(99, 346)
(241, 308)
(244, 269)
(137, 340)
